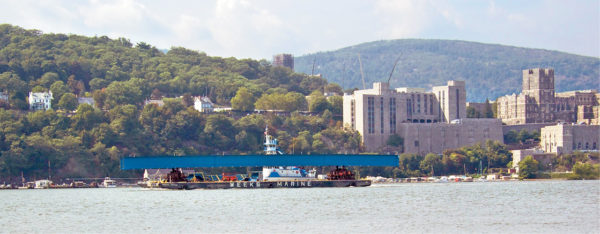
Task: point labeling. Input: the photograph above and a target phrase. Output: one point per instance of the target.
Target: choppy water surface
(499, 207)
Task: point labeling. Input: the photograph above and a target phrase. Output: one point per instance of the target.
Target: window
(381, 114)
(392, 115)
(418, 103)
(352, 114)
(457, 106)
(431, 104)
(416, 143)
(425, 101)
(370, 115)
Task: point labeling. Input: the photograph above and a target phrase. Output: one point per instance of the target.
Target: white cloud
(260, 28)
(241, 28)
(401, 19)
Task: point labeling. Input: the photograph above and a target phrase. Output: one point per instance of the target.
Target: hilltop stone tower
(283, 60)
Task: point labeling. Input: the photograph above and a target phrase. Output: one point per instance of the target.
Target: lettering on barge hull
(264, 184)
(257, 184)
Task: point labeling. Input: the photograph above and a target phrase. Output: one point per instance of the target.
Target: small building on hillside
(4, 96)
(203, 104)
(544, 159)
(86, 100)
(158, 102)
(40, 101)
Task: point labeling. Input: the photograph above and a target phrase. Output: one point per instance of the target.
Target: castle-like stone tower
(538, 103)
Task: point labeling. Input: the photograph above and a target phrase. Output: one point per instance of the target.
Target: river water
(489, 207)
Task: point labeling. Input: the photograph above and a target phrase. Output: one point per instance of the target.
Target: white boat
(42, 184)
(442, 179)
(109, 183)
(283, 173)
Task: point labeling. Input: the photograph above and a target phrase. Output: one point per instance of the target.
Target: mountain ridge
(490, 70)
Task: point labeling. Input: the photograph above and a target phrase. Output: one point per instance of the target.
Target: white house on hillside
(40, 101)
(203, 104)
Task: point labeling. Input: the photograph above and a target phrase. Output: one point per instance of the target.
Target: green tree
(586, 171)
(48, 79)
(318, 102)
(395, 140)
(68, 101)
(528, 167)
(510, 137)
(431, 164)
(243, 100)
(488, 110)
(58, 88)
(473, 113)
(523, 136)
(336, 105)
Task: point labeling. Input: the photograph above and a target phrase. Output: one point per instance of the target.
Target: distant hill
(489, 70)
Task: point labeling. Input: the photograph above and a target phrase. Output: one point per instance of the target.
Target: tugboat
(269, 177)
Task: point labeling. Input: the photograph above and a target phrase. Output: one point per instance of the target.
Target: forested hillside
(88, 141)
(489, 70)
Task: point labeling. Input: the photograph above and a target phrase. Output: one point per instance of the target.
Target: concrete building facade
(566, 138)
(538, 103)
(381, 111)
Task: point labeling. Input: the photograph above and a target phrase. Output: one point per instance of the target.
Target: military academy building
(428, 121)
(538, 103)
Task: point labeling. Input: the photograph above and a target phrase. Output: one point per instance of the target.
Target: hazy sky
(258, 29)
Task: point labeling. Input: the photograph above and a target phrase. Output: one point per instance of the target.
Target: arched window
(579, 145)
(587, 145)
(594, 146)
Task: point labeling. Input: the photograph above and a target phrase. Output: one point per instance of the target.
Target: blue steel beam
(257, 161)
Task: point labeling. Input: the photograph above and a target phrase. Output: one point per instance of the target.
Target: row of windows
(587, 146)
(416, 100)
(371, 115)
(392, 115)
(381, 108)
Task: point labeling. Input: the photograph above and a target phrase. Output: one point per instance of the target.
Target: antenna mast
(312, 73)
(361, 72)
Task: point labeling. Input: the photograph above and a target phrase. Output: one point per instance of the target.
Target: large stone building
(427, 121)
(283, 60)
(538, 103)
(436, 137)
(566, 138)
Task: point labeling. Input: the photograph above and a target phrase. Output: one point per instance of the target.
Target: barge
(269, 177)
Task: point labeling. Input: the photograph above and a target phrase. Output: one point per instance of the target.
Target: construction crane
(393, 68)
(361, 72)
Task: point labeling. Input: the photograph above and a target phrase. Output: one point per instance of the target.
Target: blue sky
(258, 28)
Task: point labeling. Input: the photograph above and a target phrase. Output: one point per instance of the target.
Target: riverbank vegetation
(72, 140)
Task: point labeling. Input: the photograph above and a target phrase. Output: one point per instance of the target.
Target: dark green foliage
(528, 167)
(395, 140)
(120, 76)
(473, 113)
(243, 100)
(586, 171)
(490, 71)
(68, 101)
